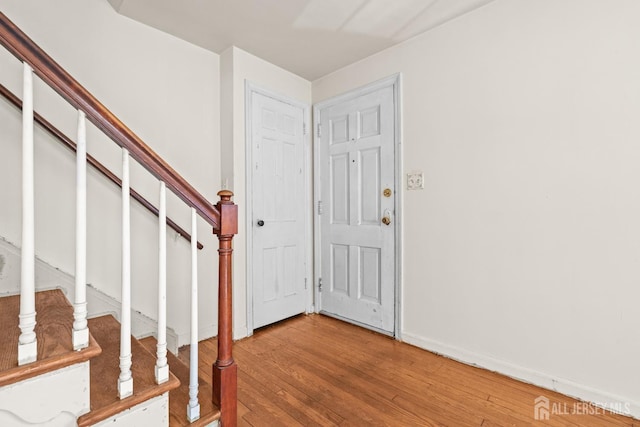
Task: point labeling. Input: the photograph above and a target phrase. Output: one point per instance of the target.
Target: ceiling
(310, 38)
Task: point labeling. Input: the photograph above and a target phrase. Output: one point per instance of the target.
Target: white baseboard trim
(99, 303)
(569, 388)
(240, 332)
(204, 332)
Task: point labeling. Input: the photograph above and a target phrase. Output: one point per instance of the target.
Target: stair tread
(54, 317)
(179, 397)
(105, 370)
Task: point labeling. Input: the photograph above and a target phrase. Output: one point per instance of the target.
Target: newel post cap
(225, 196)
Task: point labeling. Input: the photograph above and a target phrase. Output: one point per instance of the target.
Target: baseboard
(98, 302)
(240, 332)
(47, 277)
(204, 332)
(569, 388)
(142, 326)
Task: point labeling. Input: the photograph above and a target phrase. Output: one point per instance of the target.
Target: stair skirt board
(98, 303)
(37, 400)
(64, 419)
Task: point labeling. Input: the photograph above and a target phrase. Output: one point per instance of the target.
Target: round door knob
(386, 220)
(260, 223)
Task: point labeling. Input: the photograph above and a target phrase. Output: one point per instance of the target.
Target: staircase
(58, 367)
(58, 381)
(55, 355)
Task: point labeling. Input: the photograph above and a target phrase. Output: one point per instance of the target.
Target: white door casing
(277, 220)
(356, 163)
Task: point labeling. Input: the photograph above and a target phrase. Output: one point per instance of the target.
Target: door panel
(370, 187)
(277, 200)
(340, 187)
(370, 282)
(357, 164)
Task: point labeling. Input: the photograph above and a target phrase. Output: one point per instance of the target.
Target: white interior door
(357, 224)
(278, 201)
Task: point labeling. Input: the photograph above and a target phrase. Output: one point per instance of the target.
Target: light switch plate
(415, 181)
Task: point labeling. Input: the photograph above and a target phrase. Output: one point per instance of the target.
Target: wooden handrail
(67, 142)
(23, 48)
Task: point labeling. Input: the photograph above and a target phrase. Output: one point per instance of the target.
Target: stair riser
(153, 412)
(65, 419)
(44, 397)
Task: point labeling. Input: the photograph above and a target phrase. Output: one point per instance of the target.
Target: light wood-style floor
(318, 371)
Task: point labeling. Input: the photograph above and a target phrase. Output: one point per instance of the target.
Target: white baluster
(193, 407)
(27, 343)
(125, 381)
(162, 368)
(80, 329)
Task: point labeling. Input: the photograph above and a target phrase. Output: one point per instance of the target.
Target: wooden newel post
(225, 370)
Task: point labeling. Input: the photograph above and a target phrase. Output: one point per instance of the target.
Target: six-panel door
(357, 223)
(278, 210)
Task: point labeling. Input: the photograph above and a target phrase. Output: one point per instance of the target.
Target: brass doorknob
(386, 220)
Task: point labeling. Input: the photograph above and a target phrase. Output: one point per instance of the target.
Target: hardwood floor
(318, 371)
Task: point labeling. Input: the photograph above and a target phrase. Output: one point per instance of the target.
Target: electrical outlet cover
(415, 181)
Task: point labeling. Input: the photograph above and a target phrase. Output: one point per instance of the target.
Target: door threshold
(360, 324)
(278, 322)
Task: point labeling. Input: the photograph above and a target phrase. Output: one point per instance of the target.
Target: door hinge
(320, 284)
(305, 283)
(319, 130)
(319, 207)
(304, 128)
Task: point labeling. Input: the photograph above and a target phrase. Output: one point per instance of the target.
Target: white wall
(237, 68)
(522, 253)
(163, 88)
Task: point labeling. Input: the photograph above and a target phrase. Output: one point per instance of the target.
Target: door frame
(250, 89)
(395, 81)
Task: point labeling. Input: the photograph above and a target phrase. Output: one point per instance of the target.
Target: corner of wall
(226, 119)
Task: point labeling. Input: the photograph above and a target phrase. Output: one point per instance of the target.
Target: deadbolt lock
(386, 192)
